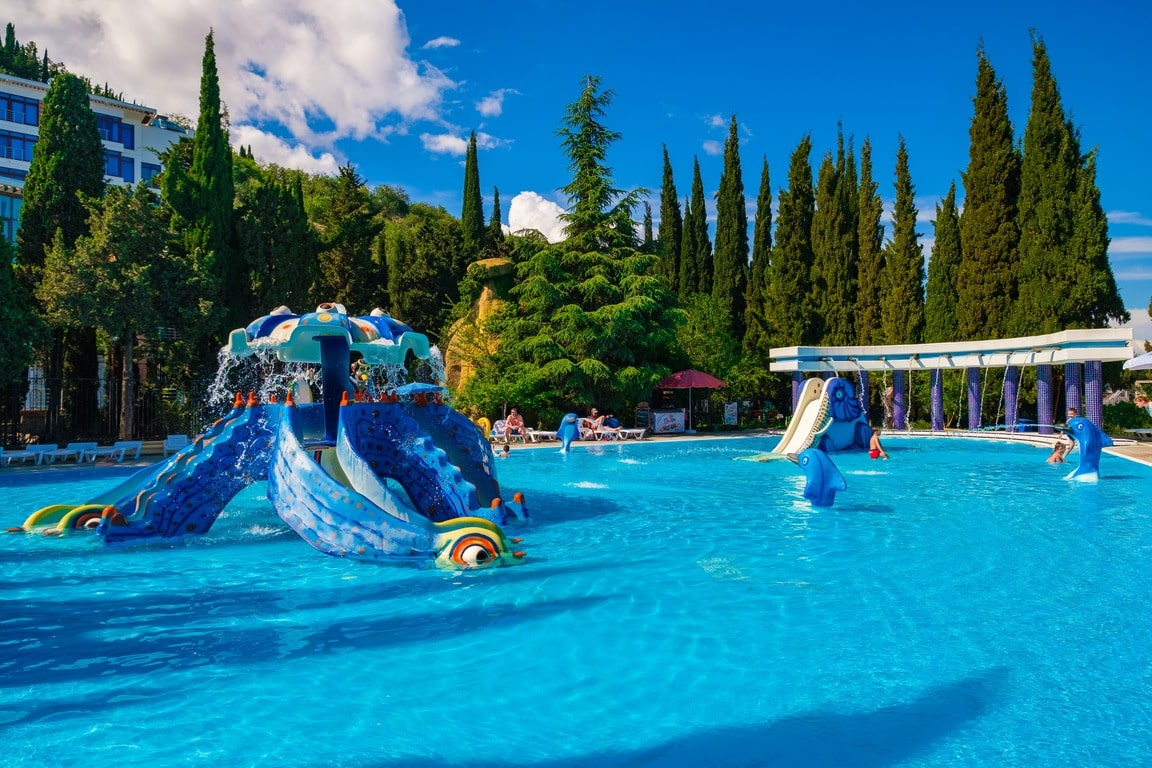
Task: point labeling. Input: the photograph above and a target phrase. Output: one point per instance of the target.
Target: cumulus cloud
(317, 74)
(457, 144)
(529, 210)
(441, 42)
(267, 148)
(492, 105)
(713, 147)
(716, 121)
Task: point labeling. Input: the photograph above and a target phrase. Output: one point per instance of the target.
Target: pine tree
(67, 166)
(689, 279)
(870, 258)
(730, 259)
(986, 285)
(670, 233)
(472, 214)
(940, 299)
(787, 306)
(702, 252)
(902, 306)
(756, 333)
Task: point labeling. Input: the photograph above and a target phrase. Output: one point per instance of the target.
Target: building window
(13, 173)
(148, 171)
(19, 109)
(9, 217)
(121, 167)
(16, 146)
(114, 130)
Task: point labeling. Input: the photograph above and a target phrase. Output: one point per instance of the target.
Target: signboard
(730, 413)
(664, 422)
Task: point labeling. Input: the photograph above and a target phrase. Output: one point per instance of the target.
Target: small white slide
(809, 421)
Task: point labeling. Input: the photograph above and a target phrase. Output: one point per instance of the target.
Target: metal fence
(43, 410)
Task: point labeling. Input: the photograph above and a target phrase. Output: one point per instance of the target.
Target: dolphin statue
(823, 478)
(568, 431)
(1091, 440)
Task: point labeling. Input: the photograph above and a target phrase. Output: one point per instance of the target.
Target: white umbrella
(1141, 363)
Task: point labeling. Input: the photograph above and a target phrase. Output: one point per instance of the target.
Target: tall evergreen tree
(670, 233)
(702, 253)
(902, 306)
(1094, 301)
(647, 243)
(787, 305)
(276, 239)
(348, 228)
(16, 312)
(730, 258)
(756, 334)
(986, 285)
(67, 166)
(689, 278)
(495, 235)
(834, 249)
(870, 258)
(940, 298)
(211, 220)
(472, 214)
(1058, 284)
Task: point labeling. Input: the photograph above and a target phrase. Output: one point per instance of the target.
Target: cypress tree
(670, 233)
(834, 249)
(495, 229)
(1093, 301)
(902, 305)
(472, 214)
(646, 245)
(787, 305)
(986, 285)
(870, 253)
(689, 278)
(730, 259)
(68, 164)
(702, 253)
(940, 299)
(212, 225)
(756, 334)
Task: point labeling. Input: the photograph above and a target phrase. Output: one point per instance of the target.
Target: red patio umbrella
(689, 380)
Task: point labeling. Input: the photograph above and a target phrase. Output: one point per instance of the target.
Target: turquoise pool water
(961, 605)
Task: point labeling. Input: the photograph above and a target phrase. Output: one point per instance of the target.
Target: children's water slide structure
(375, 469)
(828, 416)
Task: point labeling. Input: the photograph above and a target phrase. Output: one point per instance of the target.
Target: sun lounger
(34, 452)
(117, 451)
(1140, 434)
(71, 450)
(540, 435)
(633, 434)
(174, 443)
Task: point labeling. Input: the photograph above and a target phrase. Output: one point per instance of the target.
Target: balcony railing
(16, 153)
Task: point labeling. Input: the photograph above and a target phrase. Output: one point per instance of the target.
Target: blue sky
(395, 89)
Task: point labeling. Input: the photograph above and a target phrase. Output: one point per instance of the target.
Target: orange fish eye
(474, 551)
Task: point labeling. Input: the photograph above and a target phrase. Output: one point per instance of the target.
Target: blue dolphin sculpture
(568, 431)
(1091, 440)
(823, 478)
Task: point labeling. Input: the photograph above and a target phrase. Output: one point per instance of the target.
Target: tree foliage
(834, 269)
(472, 213)
(701, 246)
(730, 258)
(788, 309)
(870, 258)
(940, 294)
(902, 305)
(756, 332)
(670, 234)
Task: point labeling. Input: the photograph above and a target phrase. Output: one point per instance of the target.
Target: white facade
(133, 135)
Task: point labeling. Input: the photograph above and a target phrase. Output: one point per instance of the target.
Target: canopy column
(937, 400)
(1072, 383)
(1011, 397)
(898, 412)
(974, 398)
(1044, 399)
(1094, 392)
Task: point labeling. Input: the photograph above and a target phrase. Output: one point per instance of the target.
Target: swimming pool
(961, 605)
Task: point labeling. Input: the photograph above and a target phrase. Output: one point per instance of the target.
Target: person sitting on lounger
(592, 424)
(514, 424)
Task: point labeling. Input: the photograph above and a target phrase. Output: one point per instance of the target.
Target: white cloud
(492, 105)
(713, 147)
(322, 72)
(716, 121)
(1131, 245)
(441, 42)
(267, 148)
(1140, 324)
(528, 210)
(1129, 217)
(453, 144)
